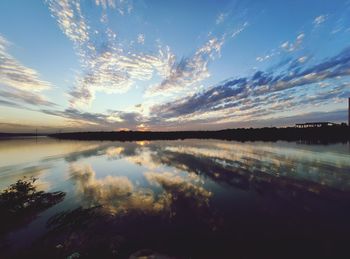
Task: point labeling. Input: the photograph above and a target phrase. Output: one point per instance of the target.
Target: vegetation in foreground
(21, 203)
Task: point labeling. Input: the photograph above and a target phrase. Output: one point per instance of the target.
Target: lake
(182, 199)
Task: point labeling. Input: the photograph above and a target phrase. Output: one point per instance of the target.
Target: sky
(70, 65)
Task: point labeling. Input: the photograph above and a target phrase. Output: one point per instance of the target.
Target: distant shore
(321, 134)
(21, 135)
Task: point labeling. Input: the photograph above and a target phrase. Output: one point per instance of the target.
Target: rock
(73, 256)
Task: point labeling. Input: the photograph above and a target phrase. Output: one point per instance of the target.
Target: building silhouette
(314, 124)
(323, 123)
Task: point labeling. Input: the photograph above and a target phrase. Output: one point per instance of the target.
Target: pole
(349, 113)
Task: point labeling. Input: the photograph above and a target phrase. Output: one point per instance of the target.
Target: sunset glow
(171, 65)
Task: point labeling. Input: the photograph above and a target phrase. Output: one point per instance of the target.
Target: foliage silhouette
(322, 135)
(21, 201)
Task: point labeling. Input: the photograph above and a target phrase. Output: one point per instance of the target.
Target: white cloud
(108, 68)
(239, 30)
(286, 46)
(221, 17)
(289, 46)
(263, 58)
(122, 6)
(141, 38)
(319, 20)
(20, 83)
(114, 72)
(14, 74)
(106, 3)
(117, 194)
(70, 20)
(27, 97)
(303, 59)
(189, 71)
(272, 53)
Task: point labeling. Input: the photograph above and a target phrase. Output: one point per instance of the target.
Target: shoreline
(318, 135)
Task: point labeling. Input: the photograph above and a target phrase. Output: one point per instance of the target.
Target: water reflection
(163, 195)
(117, 194)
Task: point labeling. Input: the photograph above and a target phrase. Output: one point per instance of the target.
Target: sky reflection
(97, 164)
(224, 190)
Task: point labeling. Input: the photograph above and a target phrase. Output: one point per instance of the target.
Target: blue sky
(172, 65)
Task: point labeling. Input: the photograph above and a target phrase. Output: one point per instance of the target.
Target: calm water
(191, 198)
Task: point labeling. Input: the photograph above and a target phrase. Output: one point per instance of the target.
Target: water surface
(191, 198)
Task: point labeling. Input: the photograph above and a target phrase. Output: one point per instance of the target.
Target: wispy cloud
(286, 46)
(250, 97)
(10, 104)
(106, 66)
(245, 99)
(106, 3)
(113, 72)
(122, 6)
(118, 194)
(14, 74)
(239, 30)
(319, 20)
(221, 18)
(292, 46)
(191, 70)
(26, 97)
(110, 65)
(268, 56)
(70, 20)
(19, 82)
(141, 38)
(111, 119)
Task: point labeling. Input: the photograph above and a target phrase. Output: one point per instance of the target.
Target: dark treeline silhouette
(307, 135)
(14, 135)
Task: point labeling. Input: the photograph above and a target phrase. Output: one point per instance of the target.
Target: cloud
(332, 116)
(15, 125)
(319, 20)
(70, 19)
(123, 6)
(185, 186)
(141, 38)
(74, 114)
(248, 97)
(26, 97)
(288, 46)
(113, 72)
(99, 121)
(239, 30)
(10, 104)
(241, 99)
(106, 66)
(285, 46)
(221, 17)
(16, 75)
(19, 83)
(263, 58)
(106, 3)
(117, 194)
(189, 71)
(110, 66)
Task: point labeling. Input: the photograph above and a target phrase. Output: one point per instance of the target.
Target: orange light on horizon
(123, 129)
(142, 127)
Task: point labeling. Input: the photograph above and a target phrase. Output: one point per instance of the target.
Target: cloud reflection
(118, 195)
